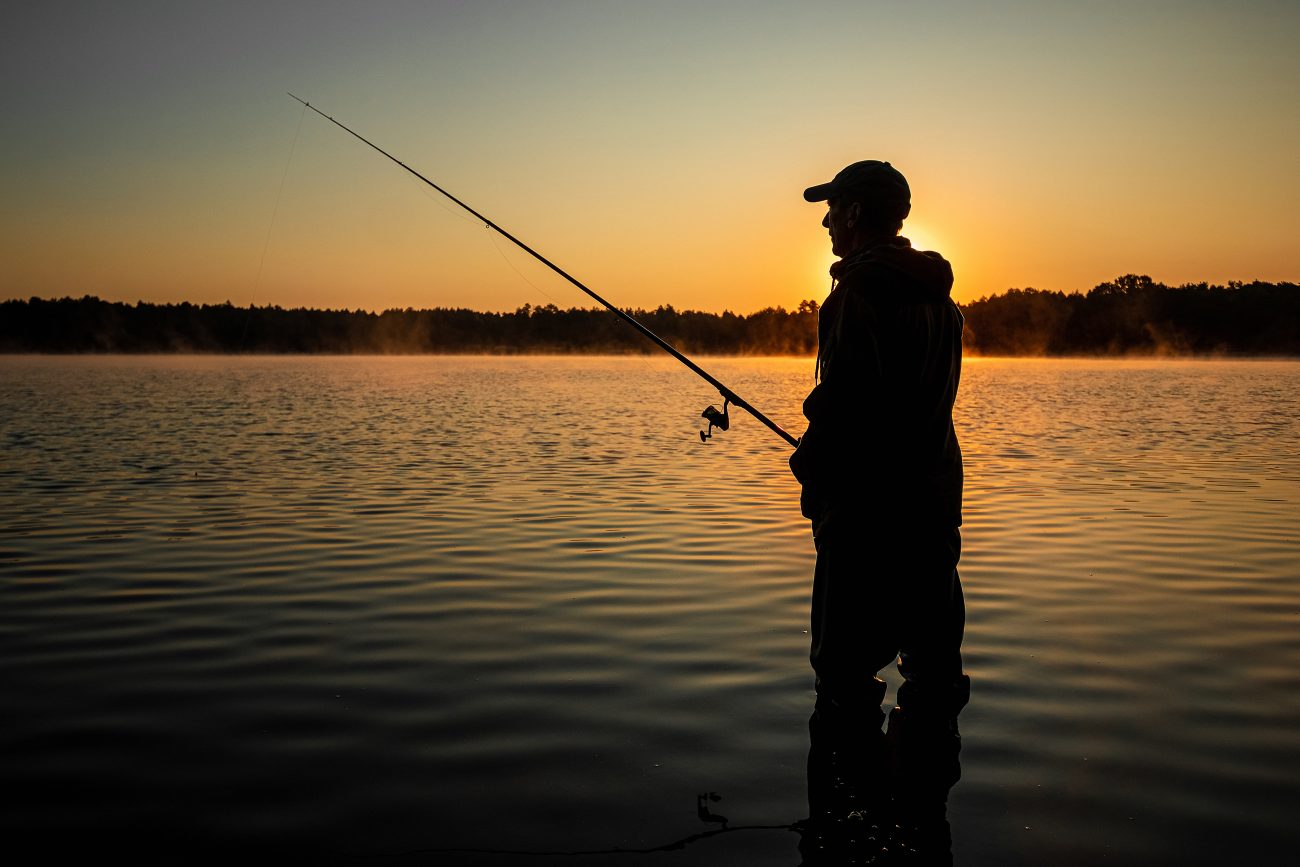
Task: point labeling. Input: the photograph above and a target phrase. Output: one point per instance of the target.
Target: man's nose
(826, 220)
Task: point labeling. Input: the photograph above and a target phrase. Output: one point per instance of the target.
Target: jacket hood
(927, 272)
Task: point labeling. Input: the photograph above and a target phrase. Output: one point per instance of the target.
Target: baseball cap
(875, 180)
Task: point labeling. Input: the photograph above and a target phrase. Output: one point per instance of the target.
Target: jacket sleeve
(843, 409)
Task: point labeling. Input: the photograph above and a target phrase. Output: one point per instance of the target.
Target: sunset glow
(657, 154)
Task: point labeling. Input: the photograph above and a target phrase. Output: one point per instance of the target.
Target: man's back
(880, 438)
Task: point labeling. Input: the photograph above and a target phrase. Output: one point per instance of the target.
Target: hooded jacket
(880, 439)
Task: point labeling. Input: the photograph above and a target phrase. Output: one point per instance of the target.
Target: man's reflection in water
(879, 797)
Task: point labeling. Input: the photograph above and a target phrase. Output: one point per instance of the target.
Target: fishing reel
(717, 419)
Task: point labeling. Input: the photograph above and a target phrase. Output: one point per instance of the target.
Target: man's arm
(844, 409)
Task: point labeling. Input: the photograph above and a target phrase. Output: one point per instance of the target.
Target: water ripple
(337, 604)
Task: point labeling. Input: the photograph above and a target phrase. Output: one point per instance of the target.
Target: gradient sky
(657, 150)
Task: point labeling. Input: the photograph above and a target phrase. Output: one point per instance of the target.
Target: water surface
(384, 606)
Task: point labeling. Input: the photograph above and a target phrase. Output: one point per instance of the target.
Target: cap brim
(820, 193)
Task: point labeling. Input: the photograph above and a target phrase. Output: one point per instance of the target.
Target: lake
(511, 610)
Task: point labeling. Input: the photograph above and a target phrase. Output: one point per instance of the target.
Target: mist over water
(377, 605)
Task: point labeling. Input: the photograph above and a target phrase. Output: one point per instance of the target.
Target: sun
(920, 236)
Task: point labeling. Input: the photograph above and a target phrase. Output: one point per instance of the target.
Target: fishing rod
(715, 417)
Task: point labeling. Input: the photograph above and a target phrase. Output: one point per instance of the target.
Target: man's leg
(932, 617)
(923, 734)
(853, 631)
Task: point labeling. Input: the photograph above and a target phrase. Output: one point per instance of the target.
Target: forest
(1134, 315)
(1130, 316)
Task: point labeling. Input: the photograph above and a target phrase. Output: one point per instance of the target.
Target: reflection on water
(879, 797)
(385, 606)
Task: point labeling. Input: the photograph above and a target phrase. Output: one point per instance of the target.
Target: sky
(656, 150)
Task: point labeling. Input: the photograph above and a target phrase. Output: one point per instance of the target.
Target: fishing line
(275, 210)
(643, 359)
(521, 274)
(640, 355)
(676, 845)
(437, 200)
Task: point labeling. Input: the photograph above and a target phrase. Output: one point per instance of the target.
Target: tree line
(89, 324)
(1131, 315)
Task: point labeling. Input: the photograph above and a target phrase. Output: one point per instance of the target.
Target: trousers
(884, 592)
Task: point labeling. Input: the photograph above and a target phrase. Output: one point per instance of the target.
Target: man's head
(866, 200)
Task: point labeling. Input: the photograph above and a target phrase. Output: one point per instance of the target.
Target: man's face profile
(840, 220)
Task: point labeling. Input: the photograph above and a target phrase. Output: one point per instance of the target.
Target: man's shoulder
(898, 274)
(884, 289)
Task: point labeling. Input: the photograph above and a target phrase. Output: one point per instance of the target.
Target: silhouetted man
(880, 465)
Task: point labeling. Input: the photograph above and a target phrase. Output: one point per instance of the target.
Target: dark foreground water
(423, 610)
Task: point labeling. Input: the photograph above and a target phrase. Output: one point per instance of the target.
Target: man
(880, 465)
